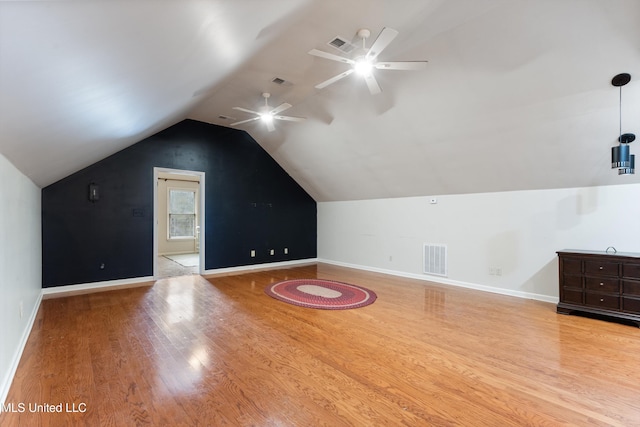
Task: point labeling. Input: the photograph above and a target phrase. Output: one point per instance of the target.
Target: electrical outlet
(102, 266)
(390, 258)
(253, 253)
(498, 271)
(272, 252)
(492, 271)
(286, 251)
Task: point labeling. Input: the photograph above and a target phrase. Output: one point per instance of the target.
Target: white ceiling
(516, 94)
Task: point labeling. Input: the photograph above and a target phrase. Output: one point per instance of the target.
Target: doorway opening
(178, 222)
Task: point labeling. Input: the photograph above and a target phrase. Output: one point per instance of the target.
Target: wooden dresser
(601, 283)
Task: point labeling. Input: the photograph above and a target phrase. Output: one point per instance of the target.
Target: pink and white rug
(321, 294)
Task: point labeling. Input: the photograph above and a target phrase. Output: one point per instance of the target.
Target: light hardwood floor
(187, 351)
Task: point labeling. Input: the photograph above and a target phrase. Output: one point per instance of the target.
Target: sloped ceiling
(516, 95)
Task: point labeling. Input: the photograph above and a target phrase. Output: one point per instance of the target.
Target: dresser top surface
(599, 253)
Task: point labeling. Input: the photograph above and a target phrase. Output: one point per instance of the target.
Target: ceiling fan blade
(403, 65)
(245, 110)
(280, 108)
(334, 79)
(374, 87)
(327, 55)
(253, 119)
(384, 38)
(270, 126)
(290, 118)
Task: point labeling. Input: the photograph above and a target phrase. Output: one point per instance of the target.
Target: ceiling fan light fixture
(268, 114)
(364, 60)
(363, 67)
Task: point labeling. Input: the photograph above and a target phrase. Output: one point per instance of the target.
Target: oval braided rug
(322, 294)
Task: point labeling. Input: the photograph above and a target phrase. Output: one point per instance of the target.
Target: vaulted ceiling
(516, 95)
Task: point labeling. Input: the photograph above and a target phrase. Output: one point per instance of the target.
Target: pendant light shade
(631, 169)
(621, 157)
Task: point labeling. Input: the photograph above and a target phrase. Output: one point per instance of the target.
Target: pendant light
(621, 157)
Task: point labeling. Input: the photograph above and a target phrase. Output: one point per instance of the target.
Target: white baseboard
(15, 361)
(259, 267)
(444, 281)
(85, 288)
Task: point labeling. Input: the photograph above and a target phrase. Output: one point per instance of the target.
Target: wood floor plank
(189, 351)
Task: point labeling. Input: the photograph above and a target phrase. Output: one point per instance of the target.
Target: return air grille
(341, 44)
(281, 82)
(435, 259)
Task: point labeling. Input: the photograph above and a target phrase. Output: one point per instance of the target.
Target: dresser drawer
(572, 282)
(630, 288)
(601, 268)
(602, 284)
(572, 296)
(631, 270)
(572, 266)
(631, 305)
(607, 301)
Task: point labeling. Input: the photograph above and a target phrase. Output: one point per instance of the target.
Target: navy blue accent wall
(250, 203)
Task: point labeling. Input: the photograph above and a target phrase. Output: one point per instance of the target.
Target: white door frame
(156, 172)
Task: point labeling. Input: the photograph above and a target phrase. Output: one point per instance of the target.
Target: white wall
(518, 232)
(20, 265)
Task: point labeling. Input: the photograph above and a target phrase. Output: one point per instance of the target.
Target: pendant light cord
(620, 139)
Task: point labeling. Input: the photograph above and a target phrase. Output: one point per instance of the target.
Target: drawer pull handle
(601, 268)
(601, 284)
(601, 299)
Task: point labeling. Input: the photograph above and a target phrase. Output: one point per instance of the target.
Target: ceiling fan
(268, 115)
(365, 60)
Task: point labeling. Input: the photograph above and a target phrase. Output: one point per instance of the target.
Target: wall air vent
(342, 44)
(435, 259)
